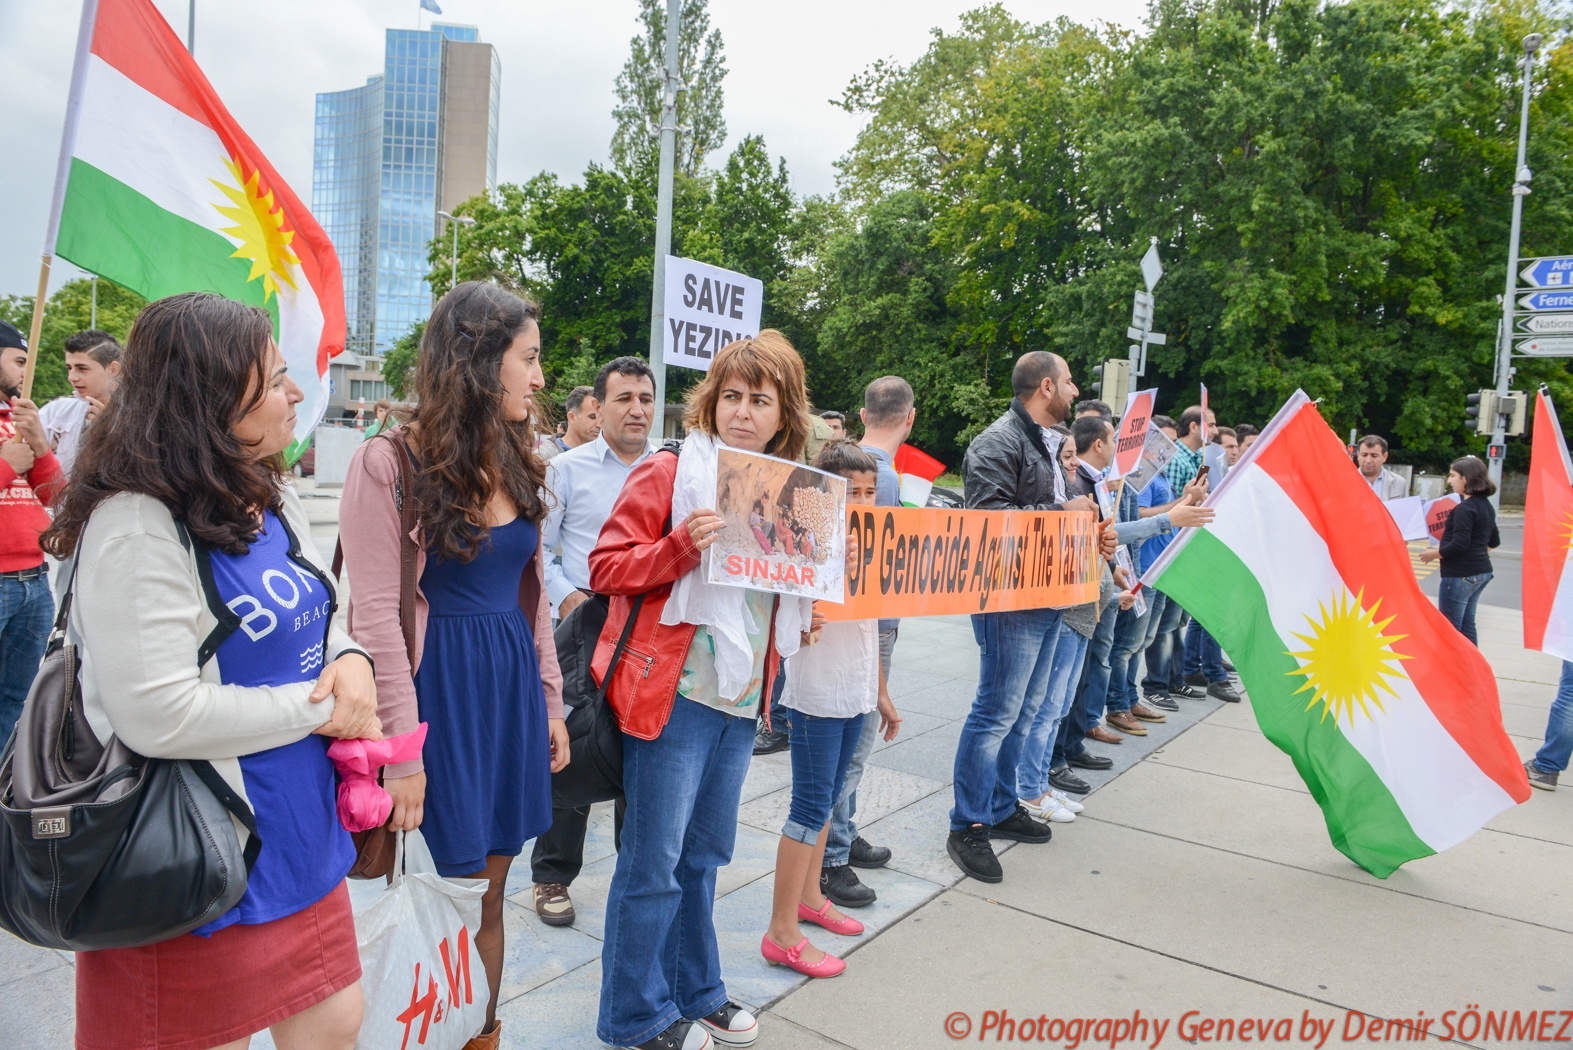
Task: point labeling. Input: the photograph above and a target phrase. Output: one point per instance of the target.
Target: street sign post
(1546, 324)
(1554, 271)
(1141, 313)
(1549, 346)
(1547, 301)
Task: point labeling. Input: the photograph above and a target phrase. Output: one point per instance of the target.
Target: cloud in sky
(559, 61)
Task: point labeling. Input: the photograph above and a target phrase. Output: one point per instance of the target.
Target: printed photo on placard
(785, 527)
(1156, 453)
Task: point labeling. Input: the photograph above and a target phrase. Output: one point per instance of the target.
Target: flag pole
(84, 44)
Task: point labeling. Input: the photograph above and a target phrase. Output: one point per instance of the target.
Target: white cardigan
(140, 616)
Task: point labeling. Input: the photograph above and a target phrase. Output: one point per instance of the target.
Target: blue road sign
(1547, 301)
(1554, 271)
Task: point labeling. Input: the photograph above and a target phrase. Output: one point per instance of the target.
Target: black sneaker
(841, 885)
(1543, 781)
(974, 855)
(1223, 691)
(1163, 702)
(683, 1035)
(769, 741)
(863, 855)
(1020, 827)
(1199, 680)
(731, 1025)
(1227, 666)
(1088, 760)
(1065, 780)
(1186, 691)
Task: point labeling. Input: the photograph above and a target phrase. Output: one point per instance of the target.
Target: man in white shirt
(1371, 455)
(93, 367)
(582, 427)
(582, 485)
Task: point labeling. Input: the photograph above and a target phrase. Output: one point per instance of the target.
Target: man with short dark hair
(1095, 408)
(93, 368)
(29, 479)
(583, 484)
(1371, 456)
(582, 426)
(837, 421)
(1012, 465)
(1246, 434)
(1224, 438)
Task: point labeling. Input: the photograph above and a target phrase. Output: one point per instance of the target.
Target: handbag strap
(622, 643)
(409, 552)
(63, 616)
(234, 803)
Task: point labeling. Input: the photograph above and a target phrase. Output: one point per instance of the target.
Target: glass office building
(418, 139)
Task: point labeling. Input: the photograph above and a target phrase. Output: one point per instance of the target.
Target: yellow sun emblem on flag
(1347, 659)
(259, 229)
(1564, 530)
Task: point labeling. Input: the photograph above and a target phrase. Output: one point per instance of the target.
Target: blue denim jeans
(659, 960)
(821, 749)
(1087, 705)
(27, 611)
(1032, 774)
(1203, 655)
(1553, 754)
(1162, 668)
(1130, 631)
(1016, 651)
(843, 829)
(1457, 597)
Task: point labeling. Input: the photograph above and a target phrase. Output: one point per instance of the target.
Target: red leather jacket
(636, 555)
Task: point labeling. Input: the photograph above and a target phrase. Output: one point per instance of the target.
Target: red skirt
(194, 993)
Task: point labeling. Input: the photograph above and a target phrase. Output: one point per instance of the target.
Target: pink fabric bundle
(363, 804)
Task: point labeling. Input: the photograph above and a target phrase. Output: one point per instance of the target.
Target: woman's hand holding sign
(705, 526)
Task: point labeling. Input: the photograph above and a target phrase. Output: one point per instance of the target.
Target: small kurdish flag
(1391, 718)
(161, 191)
(1548, 532)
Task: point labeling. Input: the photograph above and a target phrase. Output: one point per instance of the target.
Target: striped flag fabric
(1391, 718)
(1548, 531)
(161, 191)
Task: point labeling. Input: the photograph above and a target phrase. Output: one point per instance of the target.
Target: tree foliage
(68, 311)
(701, 60)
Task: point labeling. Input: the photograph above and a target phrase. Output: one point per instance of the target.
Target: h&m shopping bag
(423, 980)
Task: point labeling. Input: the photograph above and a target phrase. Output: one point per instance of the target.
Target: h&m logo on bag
(52, 823)
(428, 1008)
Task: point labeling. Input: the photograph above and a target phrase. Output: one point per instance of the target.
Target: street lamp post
(671, 84)
(1521, 177)
(455, 223)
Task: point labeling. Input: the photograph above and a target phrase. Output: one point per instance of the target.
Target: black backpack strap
(622, 643)
(234, 803)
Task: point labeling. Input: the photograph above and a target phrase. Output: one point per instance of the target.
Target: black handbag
(594, 772)
(101, 847)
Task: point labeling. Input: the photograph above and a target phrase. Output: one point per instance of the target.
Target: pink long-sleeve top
(369, 532)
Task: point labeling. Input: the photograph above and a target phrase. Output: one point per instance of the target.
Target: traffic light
(1114, 382)
(1481, 412)
(1515, 406)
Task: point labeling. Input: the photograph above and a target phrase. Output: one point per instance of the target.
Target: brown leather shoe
(1103, 736)
(1125, 723)
(553, 904)
(486, 1040)
(1147, 714)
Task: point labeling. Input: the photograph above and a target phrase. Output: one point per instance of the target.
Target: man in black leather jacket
(1013, 465)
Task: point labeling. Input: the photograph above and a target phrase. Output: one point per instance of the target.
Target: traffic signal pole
(1504, 359)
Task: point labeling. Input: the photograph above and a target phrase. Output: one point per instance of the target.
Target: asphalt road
(1505, 588)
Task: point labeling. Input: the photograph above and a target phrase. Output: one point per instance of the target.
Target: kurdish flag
(1391, 718)
(161, 191)
(1548, 530)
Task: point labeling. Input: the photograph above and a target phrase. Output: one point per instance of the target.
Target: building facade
(418, 139)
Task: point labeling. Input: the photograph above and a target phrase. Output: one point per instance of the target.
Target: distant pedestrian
(93, 368)
(1095, 408)
(1467, 540)
(582, 426)
(382, 419)
(1246, 435)
(837, 422)
(1224, 438)
(1371, 457)
(1552, 758)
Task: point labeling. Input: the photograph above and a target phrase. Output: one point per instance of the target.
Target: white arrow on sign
(1545, 347)
(1547, 324)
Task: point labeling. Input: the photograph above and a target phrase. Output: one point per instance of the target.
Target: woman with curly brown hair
(483, 674)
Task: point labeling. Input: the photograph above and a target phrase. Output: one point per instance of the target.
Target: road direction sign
(1554, 271)
(1546, 324)
(1152, 269)
(1547, 301)
(1548, 347)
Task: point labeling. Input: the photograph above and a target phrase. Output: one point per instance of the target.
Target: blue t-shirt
(284, 611)
(1156, 494)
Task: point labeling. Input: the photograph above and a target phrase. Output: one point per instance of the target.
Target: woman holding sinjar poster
(687, 694)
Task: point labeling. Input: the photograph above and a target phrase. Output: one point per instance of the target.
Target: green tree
(398, 365)
(702, 58)
(68, 311)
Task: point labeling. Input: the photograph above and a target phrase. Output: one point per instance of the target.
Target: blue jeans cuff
(799, 833)
(667, 1019)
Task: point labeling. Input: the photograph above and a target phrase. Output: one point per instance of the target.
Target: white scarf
(719, 608)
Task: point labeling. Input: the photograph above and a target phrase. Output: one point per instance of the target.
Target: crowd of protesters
(177, 542)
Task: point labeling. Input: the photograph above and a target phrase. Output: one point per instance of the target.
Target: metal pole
(453, 272)
(191, 28)
(663, 212)
(1505, 342)
(93, 310)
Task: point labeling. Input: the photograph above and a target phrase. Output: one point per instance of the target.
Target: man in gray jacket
(1013, 465)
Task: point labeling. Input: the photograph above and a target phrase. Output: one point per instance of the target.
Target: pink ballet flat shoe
(846, 925)
(775, 955)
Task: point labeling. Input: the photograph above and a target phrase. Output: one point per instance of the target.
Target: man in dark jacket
(1013, 465)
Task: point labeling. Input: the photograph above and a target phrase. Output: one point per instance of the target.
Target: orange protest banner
(929, 561)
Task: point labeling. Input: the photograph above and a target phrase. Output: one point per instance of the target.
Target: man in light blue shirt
(582, 485)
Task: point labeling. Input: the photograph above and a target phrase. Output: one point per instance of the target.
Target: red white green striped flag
(161, 191)
(1390, 716)
(1548, 533)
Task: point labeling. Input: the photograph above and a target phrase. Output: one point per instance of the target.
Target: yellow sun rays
(1564, 532)
(1347, 658)
(260, 230)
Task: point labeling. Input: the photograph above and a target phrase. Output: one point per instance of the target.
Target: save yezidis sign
(706, 308)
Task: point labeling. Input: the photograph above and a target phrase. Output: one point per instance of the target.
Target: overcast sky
(559, 60)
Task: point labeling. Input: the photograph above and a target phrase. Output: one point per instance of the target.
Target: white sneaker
(731, 1026)
(1049, 809)
(1065, 801)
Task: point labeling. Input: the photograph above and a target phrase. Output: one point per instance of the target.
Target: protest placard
(1131, 437)
(929, 561)
(1436, 515)
(706, 308)
(783, 530)
(1409, 514)
(1157, 451)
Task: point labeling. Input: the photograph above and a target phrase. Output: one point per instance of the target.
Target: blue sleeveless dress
(487, 753)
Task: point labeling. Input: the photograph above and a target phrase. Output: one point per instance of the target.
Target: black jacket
(1470, 531)
(1008, 467)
